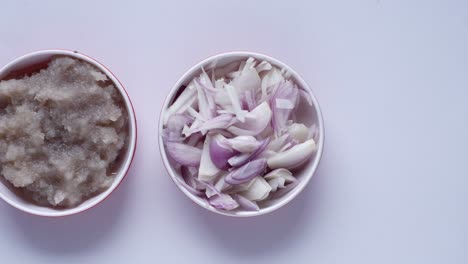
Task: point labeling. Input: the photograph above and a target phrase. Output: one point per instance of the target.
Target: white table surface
(392, 80)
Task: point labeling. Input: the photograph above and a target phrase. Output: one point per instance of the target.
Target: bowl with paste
(67, 133)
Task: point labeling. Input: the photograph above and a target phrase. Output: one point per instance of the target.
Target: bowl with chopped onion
(241, 134)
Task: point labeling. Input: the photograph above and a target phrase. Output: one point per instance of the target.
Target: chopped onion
(246, 203)
(244, 144)
(222, 72)
(286, 91)
(278, 143)
(190, 188)
(240, 160)
(250, 101)
(194, 139)
(263, 66)
(276, 183)
(208, 170)
(232, 93)
(175, 125)
(246, 172)
(195, 114)
(299, 132)
(172, 136)
(184, 154)
(219, 122)
(189, 174)
(223, 201)
(280, 173)
(205, 110)
(239, 187)
(187, 131)
(285, 190)
(314, 132)
(258, 191)
(272, 78)
(211, 188)
(220, 152)
(293, 157)
(277, 178)
(232, 124)
(177, 121)
(185, 99)
(220, 186)
(222, 98)
(255, 121)
(284, 104)
(248, 78)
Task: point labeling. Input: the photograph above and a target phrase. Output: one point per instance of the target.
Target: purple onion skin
(255, 153)
(246, 203)
(223, 201)
(246, 172)
(220, 154)
(191, 189)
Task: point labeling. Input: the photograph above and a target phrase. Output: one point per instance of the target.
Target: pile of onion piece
(232, 134)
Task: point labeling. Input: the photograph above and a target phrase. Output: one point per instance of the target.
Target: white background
(392, 80)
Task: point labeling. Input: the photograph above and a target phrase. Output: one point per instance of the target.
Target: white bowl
(307, 115)
(38, 59)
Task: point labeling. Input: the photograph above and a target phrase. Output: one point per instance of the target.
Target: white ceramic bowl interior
(39, 58)
(306, 114)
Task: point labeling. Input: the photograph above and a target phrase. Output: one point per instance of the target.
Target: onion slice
(285, 190)
(299, 132)
(223, 201)
(255, 121)
(259, 190)
(219, 122)
(208, 170)
(246, 172)
(220, 152)
(286, 91)
(189, 174)
(246, 203)
(219, 186)
(293, 157)
(278, 178)
(175, 125)
(244, 144)
(240, 160)
(263, 66)
(184, 154)
(248, 78)
(185, 99)
(250, 101)
(234, 96)
(272, 78)
(190, 188)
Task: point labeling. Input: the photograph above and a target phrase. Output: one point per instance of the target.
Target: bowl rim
(300, 81)
(132, 132)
